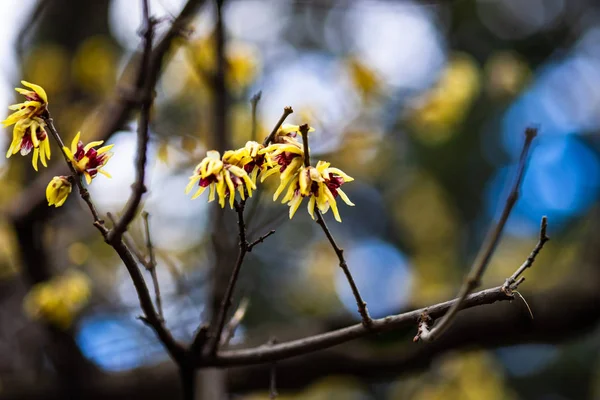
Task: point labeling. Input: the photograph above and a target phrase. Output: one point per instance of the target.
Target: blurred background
(424, 103)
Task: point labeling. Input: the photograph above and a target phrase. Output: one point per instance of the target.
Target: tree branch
(139, 187)
(286, 112)
(488, 247)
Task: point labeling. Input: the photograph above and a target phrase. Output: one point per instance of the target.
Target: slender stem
(362, 305)
(286, 112)
(254, 104)
(83, 192)
(512, 282)
(489, 245)
(147, 85)
(215, 336)
(152, 265)
(260, 240)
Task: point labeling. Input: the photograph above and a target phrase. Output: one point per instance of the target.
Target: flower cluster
(239, 169)
(29, 127)
(222, 176)
(321, 184)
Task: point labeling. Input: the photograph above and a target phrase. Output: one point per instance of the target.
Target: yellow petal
(74, 143)
(193, 181)
(34, 159)
(106, 174)
(103, 149)
(94, 144)
(211, 195)
(68, 153)
(231, 189)
(311, 207)
(200, 190)
(294, 204)
(88, 177)
(345, 197)
(38, 89)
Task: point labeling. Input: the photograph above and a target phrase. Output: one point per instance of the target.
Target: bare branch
(151, 267)
(286, 112)
(489, 245)
(260, 240)
(512, 282)
(216, 331)
(254, 103)
(139, 187)
(266, 354)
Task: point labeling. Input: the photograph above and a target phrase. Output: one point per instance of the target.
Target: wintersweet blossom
(290, 130)
(29, 128)
(249, 158)
(221, 177)
(87, 160)
(285, 156)
(58, 190)
(322, 185)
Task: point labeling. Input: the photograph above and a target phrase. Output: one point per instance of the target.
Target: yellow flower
(29, 128)
(34, 106)
(30, 134)
(87, 160)
(322, 185)
(289, 130)
(58, 300)
(221, 177)
(249, 158)
(58, 190)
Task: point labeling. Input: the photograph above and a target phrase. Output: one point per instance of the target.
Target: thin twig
(76, 176)
(362, 305)
(286, 112)
(235, 321)
(489, 245)
(215, 335)
(254, 104)
(152, 266)
(260, 240)
(139, 188)
(511, 282)
(129, 242)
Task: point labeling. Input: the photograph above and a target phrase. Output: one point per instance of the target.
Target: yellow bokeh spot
(365, 79)
(59, 300)
(437, 113)
(78, 253)
(474, 375)
(242, 61)
(94, 65)
(506, 74)
(48, 66)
